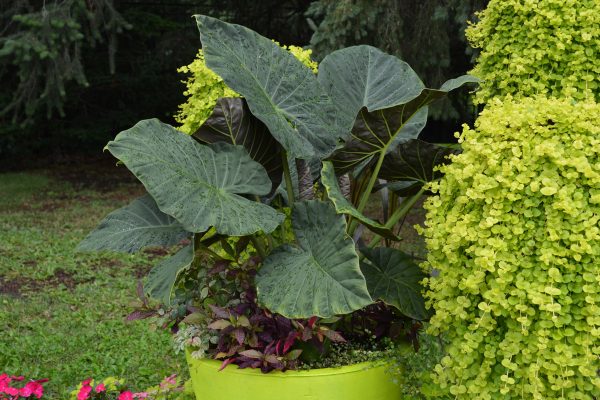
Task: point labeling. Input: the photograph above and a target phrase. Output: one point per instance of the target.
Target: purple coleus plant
(249, 335)
(252, 337)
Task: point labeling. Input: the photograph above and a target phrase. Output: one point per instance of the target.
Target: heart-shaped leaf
(365, 77)
(455, 83)
(163, 276)
(232, 122)
(279, 89)
(198, 185)
(401, 188)
(393, 277)
(133, 227)
(380, 98)
(377, 132)
(416, 160)
(343, 206)
(321, 276)
(413, 163)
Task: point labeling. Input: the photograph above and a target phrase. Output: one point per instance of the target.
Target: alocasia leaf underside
(232, 122)
(412, 164)
(393, 277)
(380, 99)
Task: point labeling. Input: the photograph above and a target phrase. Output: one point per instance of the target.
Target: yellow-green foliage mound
(204, 88)
(514, 232)
(538, 47)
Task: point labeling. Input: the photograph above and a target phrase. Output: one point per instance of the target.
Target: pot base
(365, 381)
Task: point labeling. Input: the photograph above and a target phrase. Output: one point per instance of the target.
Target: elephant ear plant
(269, 266)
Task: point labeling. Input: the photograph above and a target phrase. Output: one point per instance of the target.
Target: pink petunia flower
(100, 388)
(26, 391)
(31, 388)
(36, 388)
(172, 380)
(127, 395)
(84, 392)
(140, 395)
(4, 382)
(86, 382)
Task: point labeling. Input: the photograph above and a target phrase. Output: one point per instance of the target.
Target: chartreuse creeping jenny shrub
(541, 47)
(204, 88)
(256, 278)
(514, 235)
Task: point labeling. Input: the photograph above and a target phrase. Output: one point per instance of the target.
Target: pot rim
(232, 369)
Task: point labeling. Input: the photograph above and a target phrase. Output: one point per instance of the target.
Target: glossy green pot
(366, 381)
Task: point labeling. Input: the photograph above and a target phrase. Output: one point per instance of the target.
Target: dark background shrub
(75, 73)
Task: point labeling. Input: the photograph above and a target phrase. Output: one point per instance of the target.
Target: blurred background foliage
(73, 73)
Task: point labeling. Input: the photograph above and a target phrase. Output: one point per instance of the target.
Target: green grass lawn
(61, 312)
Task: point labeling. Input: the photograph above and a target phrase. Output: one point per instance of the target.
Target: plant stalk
(197, 243)
(399, 213)
(289, 187)
(270, 244)
(258, 246)
(364, 198)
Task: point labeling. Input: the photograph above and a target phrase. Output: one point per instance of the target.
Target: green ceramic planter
(366, 381)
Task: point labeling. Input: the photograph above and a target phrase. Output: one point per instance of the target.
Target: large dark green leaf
(321, 276)
(380, 99)
(413, 164)
(365, 77)
(164, 275)
(343, 206)
(381, 131)
(416, 160)
(232, 122)
(393, 277)
(279, 89)
(198, 185)
(401, 188)
(377, 132)
(133, 227)
(455, 83)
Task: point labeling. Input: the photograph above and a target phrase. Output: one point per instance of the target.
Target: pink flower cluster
(30, 389)
(87, 392)
(169, 382)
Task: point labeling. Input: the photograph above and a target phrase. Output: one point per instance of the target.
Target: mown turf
(61, 312)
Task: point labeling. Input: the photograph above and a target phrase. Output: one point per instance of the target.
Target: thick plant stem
(270, 244)
(364, 198)
(197, 246)
(200, 248)
(399, 213)
(197, 241)
(289, 187)
(259, 246)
